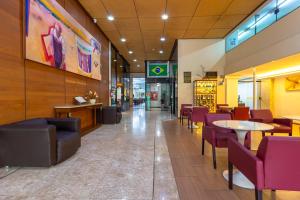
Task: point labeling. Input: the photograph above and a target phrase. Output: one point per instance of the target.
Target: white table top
(243, 125)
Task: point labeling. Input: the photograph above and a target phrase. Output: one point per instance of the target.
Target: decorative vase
(92, 101)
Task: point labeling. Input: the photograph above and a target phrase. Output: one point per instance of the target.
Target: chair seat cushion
(278, 128)
(67, 144)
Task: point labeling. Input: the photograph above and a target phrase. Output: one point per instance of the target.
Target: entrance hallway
(129, 160)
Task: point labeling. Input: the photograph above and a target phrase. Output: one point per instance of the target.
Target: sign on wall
(158, 70)
(53, 37)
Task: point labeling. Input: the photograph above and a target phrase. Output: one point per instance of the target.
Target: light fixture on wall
(279, 72)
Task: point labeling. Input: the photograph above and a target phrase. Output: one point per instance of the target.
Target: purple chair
(197, 115)
(274, 167)
(184, 112)
(217, 136)
(281, 125)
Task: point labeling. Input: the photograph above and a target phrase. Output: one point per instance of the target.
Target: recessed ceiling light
(130, 52)
(138, 65)
(123, 40)
(161, 51)
(121, 66)
(134, 60)
(110, 18)
(165, 16)
(95, 20)
(162, 39)
(115, 60)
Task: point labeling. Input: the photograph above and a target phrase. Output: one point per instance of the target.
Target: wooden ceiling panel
(203, 23)
(178, 23)
(128, 24)
(106, 25)
(120, 8)
(217, 33)
(212, 7)
(151, 24)
(94, 8)
(243, 7)
(150, 8)
(195, 33)
(179, 8)
(229, 21)
(139, 21)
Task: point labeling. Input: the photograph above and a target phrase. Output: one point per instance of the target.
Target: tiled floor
(129, 160)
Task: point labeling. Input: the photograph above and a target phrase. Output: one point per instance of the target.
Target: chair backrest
(211, 117)
(280, 156)
(265, 115)
(184, 105)
(240, 113)
(198, 113)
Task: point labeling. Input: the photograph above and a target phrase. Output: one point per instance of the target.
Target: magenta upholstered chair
(217, 136)
(281, 125)
(184, 112)
(274, 167)
(197, 115)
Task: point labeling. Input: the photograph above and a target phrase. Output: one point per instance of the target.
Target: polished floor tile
(129, 160)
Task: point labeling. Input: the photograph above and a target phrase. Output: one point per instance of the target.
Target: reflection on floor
(194, 173)
(125, 161)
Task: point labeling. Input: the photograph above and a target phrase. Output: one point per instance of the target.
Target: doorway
(138, 93)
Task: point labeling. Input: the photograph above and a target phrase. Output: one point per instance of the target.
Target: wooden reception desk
(67, 110)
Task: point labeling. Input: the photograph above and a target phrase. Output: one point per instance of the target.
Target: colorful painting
(292, 83)
(54, 38)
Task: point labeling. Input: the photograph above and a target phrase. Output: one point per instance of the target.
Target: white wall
(194, 53)
(280, 40)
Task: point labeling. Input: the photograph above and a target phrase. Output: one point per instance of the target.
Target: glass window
(263, 18)
(287, 6)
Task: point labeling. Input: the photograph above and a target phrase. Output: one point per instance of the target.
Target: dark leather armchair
(111, 115)
(39, 142)
(281, 125)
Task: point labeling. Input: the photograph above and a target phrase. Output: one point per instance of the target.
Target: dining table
(241, 128)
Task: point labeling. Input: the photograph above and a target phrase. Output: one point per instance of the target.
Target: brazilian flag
(158, 70)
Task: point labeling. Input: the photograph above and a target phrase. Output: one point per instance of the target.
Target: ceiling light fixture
(115, 60)
(134, 60)
(110, 18)
(164, 16)
(123, 39)
(138, 65)
(161, 51)
(162, 39)
(130, 52)
(95, 20)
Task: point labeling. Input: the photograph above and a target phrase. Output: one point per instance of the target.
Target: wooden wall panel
(12, 98)
(45, 88)
(29, 89)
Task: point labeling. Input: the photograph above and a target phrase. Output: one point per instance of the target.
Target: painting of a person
(58, 50)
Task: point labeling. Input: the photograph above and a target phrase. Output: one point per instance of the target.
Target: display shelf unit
(205, 94)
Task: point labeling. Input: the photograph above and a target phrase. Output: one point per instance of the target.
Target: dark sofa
(39, 142)
(111, 115)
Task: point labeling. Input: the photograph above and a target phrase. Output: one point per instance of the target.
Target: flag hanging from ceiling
(158, 70)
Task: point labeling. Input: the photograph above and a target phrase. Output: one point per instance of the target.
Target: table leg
(239, 178)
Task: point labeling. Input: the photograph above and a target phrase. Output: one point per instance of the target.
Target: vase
(92, 101)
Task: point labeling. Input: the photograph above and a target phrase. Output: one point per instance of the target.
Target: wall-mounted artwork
(292, 83)
(54, 38)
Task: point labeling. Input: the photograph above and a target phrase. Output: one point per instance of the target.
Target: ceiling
(139, 21)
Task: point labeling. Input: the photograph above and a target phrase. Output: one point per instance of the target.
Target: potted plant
(92, 96)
